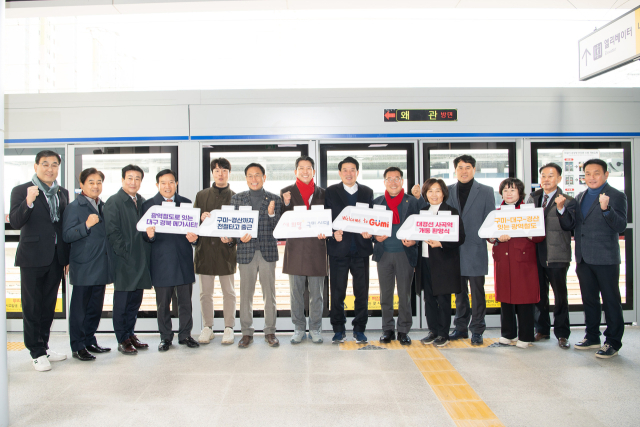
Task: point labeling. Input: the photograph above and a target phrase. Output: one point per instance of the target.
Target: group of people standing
(98, 244)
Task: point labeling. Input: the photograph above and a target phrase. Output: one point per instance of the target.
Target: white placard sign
(443, 227)
(573, 178)
(301, 222)
(361, 218)
(171, 219)
(528, 221)
(228, 222)
(611, 46)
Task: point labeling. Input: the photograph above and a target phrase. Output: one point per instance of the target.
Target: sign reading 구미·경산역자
(612, 46)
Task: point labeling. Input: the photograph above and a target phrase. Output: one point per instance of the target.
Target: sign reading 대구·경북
(612, 46)
(528, 221)
(171, 219)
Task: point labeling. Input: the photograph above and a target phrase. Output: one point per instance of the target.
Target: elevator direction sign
(431, 115)
(612, 46)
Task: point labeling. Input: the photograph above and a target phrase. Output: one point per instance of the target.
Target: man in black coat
(348, 252)
(37, 208)
(131, 275)
(171, 266)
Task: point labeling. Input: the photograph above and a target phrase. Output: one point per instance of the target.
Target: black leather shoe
(476, 339)
(404, 338)
(190, 342)
(387, 337)
(97, 349)
(83, 355)
(164, 345)
(126, 348)
(456, 335)
(137, 343)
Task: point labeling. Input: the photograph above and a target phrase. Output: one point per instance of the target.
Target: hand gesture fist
(560, 199)
(272, 207)
(192, 237)
(338, 235)
(504, 238)
(415, 190)
(286, 198)
(151, 231)
(92, 220)
(32, 193)
(604, 201)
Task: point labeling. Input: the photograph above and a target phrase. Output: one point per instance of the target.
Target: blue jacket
(408, 206)
(268, 244)
(90, 258)
(597, 235)
(171, 254)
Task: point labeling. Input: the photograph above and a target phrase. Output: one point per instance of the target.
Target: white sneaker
(505, 341)
(298, 336)
(55, 357)
(228, 337)
(523, 344)
(206, 335)
(316, 336)
(41, 364)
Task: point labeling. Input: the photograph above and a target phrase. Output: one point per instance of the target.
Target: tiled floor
(309, 385)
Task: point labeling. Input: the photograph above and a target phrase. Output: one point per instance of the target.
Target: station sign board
(418, 115)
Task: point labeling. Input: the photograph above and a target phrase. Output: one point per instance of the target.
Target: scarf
(50, 194)
(394, 203)
(306, 190)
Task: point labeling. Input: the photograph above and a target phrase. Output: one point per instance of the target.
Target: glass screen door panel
(567, 155)
(18, 169)
(374, 158)
(279, 162)
(110, 160)
(495, 161)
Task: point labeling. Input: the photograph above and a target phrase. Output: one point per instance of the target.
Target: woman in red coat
(516, 275)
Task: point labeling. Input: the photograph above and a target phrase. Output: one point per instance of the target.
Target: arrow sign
(584, 55)
(389, 115)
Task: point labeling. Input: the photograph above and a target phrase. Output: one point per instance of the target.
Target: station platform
(338, 385)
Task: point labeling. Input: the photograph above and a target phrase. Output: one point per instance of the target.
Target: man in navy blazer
(37, 208)
(171, 266)
(598, 219)
(396, 258)
(348, 252)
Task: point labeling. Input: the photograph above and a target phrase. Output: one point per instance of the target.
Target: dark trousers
(185, 319)
(523, 329)
(85, 310)
(125, 312)
(557, 277)
(437, 308)
(596, 280)
(470, 314)
(39, 293)
(338, 277)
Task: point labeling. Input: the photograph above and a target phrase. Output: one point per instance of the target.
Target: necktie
(169, 200)
(135, 201)
(544, 202)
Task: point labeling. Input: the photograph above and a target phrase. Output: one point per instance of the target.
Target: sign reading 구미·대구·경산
(363, 219)
(528, 221)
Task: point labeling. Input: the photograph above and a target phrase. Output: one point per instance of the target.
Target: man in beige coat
(305, 259)
(214, 258)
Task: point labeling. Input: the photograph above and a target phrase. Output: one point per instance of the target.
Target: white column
(4, 374)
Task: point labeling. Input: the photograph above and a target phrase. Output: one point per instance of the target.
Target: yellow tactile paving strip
(461, 402)
(15, 346)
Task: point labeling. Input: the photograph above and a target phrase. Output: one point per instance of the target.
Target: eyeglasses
(393, 180)
(47, 165)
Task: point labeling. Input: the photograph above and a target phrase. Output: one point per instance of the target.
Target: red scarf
(394, 203)
(306, 190)
(97, 199)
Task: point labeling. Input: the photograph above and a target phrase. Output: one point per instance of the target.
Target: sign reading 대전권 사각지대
(443, 227)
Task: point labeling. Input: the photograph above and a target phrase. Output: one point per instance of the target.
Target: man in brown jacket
(215, 258)
(305, 259)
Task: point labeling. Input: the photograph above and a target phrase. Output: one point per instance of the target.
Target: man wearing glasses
(37, 208)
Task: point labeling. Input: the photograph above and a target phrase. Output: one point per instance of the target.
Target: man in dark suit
(258, 255)
(171, 267)
(36, 210)
(598, 217)
(305, 259)
(396, 258)
(474, 201)
(122, 212)
(348, 252)
(554, 256)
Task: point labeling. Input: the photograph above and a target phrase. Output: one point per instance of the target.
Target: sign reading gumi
(361, 219)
